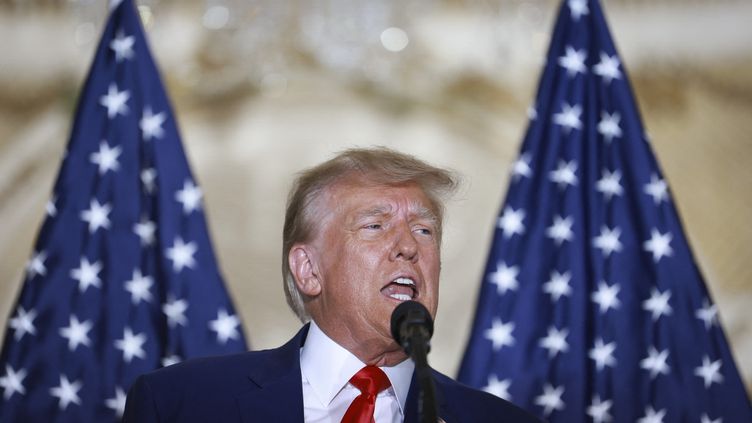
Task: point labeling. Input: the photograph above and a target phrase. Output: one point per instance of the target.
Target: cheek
(432, 261)
(362, 257)
(357, 266)
(431, 271)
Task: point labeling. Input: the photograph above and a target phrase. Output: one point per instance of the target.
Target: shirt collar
(340, 364)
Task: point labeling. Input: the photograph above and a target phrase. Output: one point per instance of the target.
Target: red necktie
(370, 380)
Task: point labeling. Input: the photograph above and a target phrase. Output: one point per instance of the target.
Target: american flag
(122, 279)
(592, 307)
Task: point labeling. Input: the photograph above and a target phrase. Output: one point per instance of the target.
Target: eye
(373, 226)
(424, 231)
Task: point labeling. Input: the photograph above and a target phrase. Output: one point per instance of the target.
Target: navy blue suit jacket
(266, 386)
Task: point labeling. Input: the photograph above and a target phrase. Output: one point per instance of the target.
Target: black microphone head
(410, 313)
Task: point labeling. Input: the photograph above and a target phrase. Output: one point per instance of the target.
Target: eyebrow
(428, 214)
(422, 213)
(374, 211)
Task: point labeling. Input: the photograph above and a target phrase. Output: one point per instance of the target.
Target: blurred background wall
(265, 88)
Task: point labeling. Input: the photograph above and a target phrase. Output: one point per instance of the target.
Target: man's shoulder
(222, 369)
(198, 390)
(201, 366)
(477, 405)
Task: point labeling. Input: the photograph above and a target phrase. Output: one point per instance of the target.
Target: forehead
(359, 196)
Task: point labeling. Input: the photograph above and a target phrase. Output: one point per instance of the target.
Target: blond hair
(380, 166)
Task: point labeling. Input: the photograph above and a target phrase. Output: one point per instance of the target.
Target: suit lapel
(411, 407)
(275, 390)
(275, 379)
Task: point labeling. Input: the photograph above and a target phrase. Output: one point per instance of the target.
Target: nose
(405, 245)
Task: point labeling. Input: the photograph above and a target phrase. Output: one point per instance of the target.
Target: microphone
(412, 327)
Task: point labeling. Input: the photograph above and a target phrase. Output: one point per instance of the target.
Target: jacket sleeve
(140, 405)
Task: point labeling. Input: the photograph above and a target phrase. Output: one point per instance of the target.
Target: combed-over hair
(380, 166)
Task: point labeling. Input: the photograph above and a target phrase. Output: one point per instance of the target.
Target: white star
(87, 274)
(505, 277)
(532, 114)
(117, 403)
(175, 311)
(23, 323)
(657, 189)
(145, 230)
(181, 254)
(151, 124)
(189, 196)
(659, 244)
(76, 333)
(96, 215)
(709, 372)
(500, 334)
(521, 167)
(555, 342)
(114, 4)
(226, 326)
(170, 360)
(708, 314)
(651, 416)
(609, 184)
(12, 382)
(609, 127)
(67, 392)
(608, 68)
(655, 362)
(50, 207)
(577, 8)
(139, 286)
(148, 176)
(122, 46)
(569, 117)
(706, 419)
(131, 345)
(573, 61)
(550, 399)
(608, 240)
(497, 387)
(558, 285)
(658, 304)
(561, 229)
(35, 265)
(599, 411)
(511, 222)
(115, 101)
(606, 296)
(106, 158)
(603, 354)
(564, 174)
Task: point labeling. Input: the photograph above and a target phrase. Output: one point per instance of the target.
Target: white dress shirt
(326, 369)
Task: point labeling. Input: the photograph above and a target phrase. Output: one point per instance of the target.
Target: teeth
(401, 297)
(404, 281)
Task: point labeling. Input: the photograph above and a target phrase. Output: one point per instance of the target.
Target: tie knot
(370, 380)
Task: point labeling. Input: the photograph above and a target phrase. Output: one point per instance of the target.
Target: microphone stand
(427, 412)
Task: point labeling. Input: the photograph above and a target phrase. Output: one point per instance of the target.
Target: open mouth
(400, 289)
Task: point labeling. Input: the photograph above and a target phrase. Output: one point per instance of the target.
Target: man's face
(376, 246)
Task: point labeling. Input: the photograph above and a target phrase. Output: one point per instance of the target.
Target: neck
(384, 359)
(378, 352)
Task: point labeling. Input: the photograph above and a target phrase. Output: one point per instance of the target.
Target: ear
(303, 265)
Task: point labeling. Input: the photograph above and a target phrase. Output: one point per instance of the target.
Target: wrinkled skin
(367, 236)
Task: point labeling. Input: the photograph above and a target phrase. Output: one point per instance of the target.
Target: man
(362, 233)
